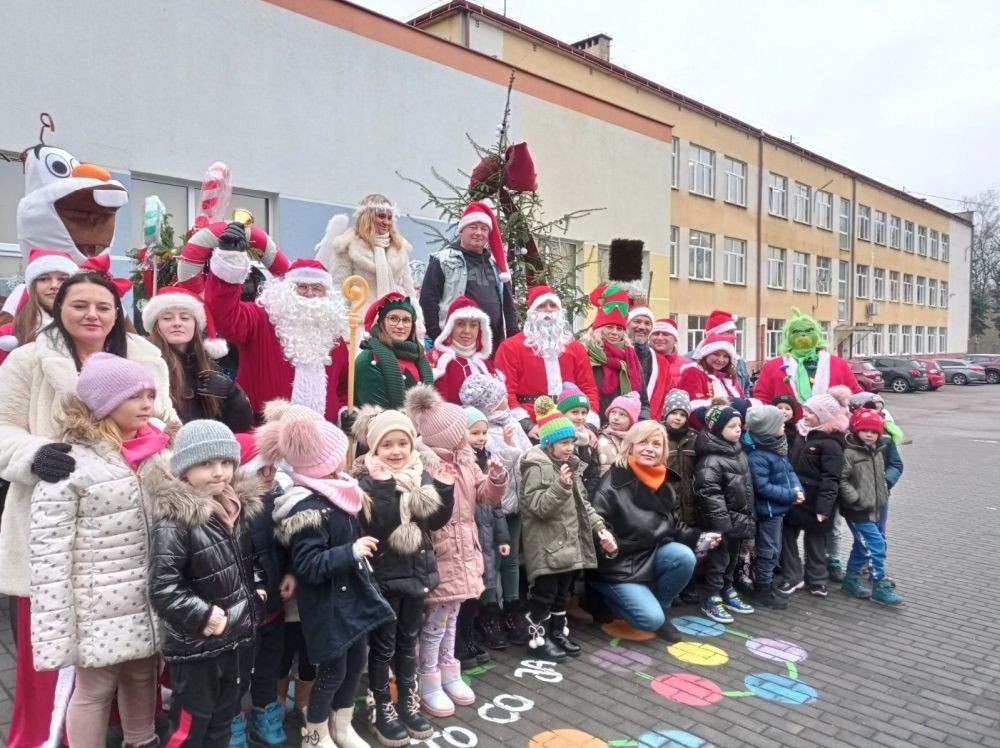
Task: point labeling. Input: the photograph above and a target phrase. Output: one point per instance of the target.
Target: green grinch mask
(803, 337)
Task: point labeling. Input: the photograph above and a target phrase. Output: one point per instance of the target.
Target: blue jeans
(768, 548)
(642, 605)
(883, 518)
(868, 550)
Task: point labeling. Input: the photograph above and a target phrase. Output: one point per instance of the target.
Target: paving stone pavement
(843, 672)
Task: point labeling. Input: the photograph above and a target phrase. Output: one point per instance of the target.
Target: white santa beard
(546, 333)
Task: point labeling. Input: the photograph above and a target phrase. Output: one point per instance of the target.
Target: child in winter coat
(443, 426)
(90, 545)
(202, 580)
(863, 495)
(681, 458)
(817, 457)
(622, 415)
(504, 439)
(338, 600)
(791, 412)
(724, 495)
(575, 406)
(776, 488)
(559, 530)
(405, 505)
(890, 453)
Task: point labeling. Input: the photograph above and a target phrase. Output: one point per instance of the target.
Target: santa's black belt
(528, 399)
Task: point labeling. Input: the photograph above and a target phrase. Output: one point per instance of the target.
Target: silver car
(960, 371)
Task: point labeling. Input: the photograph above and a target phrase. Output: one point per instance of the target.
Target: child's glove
(52, 462)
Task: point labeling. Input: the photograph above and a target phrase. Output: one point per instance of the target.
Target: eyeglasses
(394, 320)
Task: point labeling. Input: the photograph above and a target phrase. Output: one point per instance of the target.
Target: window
(895, 231)
(880, 227)
(736, 181)
(823, 274)
(932, 292)
(922, 241)
(905, 343)
(942, 340)
(777, 195)
(945, 248)
(775, 267)
(877, 340)
(695, 330)
(738, 332)
(921, 290)
(675, 164)
(860, 346)
(864, 222)
(843, 278)
(893, 285)
(734, 260)
(844, 228)
(908, 237)
(918, 340)
(932, 340)
(675, 234)
(773, 337)
(701, 170)
(893, 340)
(824, 210)
(878, 283)
(907, 288)
(825, 329)
(803, 201)
(701, 248)
(800, 271)
(861, 281)
(944, 298)
(935, 249)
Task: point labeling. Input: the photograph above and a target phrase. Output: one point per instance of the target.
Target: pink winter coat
(459, 555)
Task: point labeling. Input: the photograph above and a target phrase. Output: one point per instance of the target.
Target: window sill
(802, 223)
(701, 280)
(735, 205)
(777, 215)
(741, 284)
(776, 288)
(801, 290)
(825, 228)
(699, 194)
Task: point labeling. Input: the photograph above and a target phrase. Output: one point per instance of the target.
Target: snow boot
(514, 625)
(317, 735)
(853, 586)
(433, 699)
(884, 593)
(489, 627)
(559, 632)
(408, 709)
(541, 645)
(342, 729)
(454, 686)
(265, 724)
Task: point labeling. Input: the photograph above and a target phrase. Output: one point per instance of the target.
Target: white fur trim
(543, 298)
(336, 226)
(719, 345)
(162, 302)
(253, 465)
(641, 311)
(230, 267)
(666, 326)
(309, 386)
(215, 347)
(821, 382)
(310, 275)
(48, 264)
(8, 343)
(505, 277)
(654, 372)
(475, 217)
(725, 327)
(468, 312)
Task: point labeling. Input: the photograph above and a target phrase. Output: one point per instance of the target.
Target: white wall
(959, 303)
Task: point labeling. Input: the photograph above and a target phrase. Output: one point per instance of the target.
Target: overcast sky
(906, 91)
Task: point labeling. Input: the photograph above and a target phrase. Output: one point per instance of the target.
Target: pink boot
(433, 700)
(454, 686)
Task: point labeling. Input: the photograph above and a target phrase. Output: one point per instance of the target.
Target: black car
(900, 374)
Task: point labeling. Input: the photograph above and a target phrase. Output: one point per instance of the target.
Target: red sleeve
(583, 376)
(844, 375)
(764, 389)
(693, 383)
(235, 320)
(505, 363)
(340, 362)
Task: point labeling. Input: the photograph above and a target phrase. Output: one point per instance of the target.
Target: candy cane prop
(199, 248)
(216, 190)
(356, 291)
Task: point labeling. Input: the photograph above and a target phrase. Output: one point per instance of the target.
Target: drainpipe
(761, 348)
(851, 232)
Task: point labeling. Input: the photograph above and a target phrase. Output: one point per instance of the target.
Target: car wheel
(899, 385)
(959, 379)
(993, 377)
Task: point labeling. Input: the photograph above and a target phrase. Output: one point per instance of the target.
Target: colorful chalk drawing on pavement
(667, 738)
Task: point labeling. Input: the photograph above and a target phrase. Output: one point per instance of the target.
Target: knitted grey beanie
(764, 420)
(201, 441)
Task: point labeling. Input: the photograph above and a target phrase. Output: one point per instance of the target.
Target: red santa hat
(538, 295)
(716, 342)
(612, 306)
(309, 271)
(42, 261)
(479, 212)
(175, 297)
(720, 321)
(667, 325)
(465, 308)
(250, 458)
(641, 311)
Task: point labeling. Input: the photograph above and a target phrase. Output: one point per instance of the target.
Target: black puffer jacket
(642, 520)
(818, 459)
(234, 407)
(404, 565)
(270, 555)
(723, 488)
(197, 563)
(680, 472)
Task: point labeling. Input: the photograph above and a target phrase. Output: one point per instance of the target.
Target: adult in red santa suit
(663, 339)
(540, 358)
(462, 349)
(656, 375)
(712, 373)
(291, 339)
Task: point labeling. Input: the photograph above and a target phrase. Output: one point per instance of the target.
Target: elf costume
(617, 370)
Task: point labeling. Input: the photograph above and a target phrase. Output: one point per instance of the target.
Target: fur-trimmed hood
(286, 524)
(174, 499)
(421, 504)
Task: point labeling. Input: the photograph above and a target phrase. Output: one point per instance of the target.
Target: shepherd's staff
(355, 290)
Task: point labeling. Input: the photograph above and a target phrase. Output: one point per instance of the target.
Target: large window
(675, 164)
(843, 279)
(775, 267)
(921, 286)
(844, 226)
(861, 281)
(907, 288)
(945, 248)
(860, 344)
(824, 210)
(675, 233)
(736, 181)
(864, 222)
(777, 195)
(942, 340)
(734, 260)
(823, 266)
(908, 237)
(880, 227)
(906, 341)
(895, 231)
(944, 297)
(877, 340)
(893, 285)
(932, 340)
(932, 292)
(800, 271)
(773, 337)
(738, 333)
(701, 170)
(803, 201)
(695, 330)
(922, 241)
(701, 255)
(893, 341)
(935, 248)
(878, 283)
(918, 340)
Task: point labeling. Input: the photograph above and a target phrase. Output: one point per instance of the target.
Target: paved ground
(841, 673)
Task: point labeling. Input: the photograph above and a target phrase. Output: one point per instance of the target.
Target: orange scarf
(653, 477)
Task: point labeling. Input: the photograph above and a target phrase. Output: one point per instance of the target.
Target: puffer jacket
(338, 598)
(558, 523)
(680, 473)
(234, 409)
(893, 462)
(818, 460)
(864, 491)
(491, 522)
(775, 483)
(723, 489)
(90, 546)
(404, 567)
(197, 563)
(270, 556)
(642, 520)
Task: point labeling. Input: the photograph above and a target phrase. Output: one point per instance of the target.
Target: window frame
(909, 234)
(920, 290)
(774, 332)
(675, 165)
(824, 208)
(824, 263)
(932, 292)
(698, 170)
(695, 333)
(864, 222)
(797, 267)
(907, 288)
(943, 295)
(934, 243)
(895, 232)
(777, 184)
(879, 227)
(921, 241)
(878, 284)
(672, 248)
(894, 280)
(802, 203)
(727, 243)
(780, 263)
(945, 247)
(844, 224)
(735, 179)
(693, 262)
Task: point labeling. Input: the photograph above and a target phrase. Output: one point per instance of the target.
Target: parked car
(935, 377)
(868, 377)
(900, 374)
(990, 363)
(960, 371)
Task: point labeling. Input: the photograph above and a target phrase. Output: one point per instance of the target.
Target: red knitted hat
(867, 419)
(175, 297)
(540, 294)
(480, 213)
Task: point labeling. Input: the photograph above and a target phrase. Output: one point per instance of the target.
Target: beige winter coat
(33, 381)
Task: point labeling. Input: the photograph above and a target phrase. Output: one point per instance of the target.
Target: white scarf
(383, 274)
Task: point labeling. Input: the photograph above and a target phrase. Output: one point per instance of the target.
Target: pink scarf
(147, 442)
(343, 492)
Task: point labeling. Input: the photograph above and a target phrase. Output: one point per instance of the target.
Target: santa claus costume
(291, 346)
(538, 360)
(656, 374)
(453, 363)
(703, 384)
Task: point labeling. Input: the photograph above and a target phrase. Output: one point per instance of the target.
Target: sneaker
(238, 732)
(885, 594)
(787, 588)
(819, 590)
(854, 586)
(265, 724)
(714, 609)
(835, 570)
(764, 596)
(731, 599)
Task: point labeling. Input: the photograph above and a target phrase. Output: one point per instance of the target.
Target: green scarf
(599, 357)
(389, 368)
(803, 356)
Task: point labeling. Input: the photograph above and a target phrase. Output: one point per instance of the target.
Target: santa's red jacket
(777, 377)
